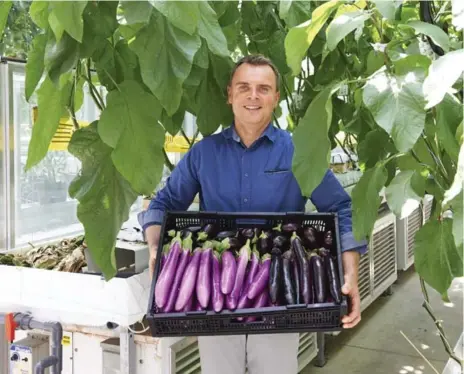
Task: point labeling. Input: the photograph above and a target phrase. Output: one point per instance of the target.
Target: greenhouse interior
(106, 108)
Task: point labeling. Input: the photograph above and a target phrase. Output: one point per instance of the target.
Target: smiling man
(248, 168)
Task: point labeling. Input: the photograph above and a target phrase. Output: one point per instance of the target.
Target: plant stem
(93, 91)
(71, 108)
(186, 137)
(428, 308)
(441, 167)
(167, 161)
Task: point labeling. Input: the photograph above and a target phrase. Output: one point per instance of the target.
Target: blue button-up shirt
(230, 177)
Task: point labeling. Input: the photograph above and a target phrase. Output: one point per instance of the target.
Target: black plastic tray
(280, 319)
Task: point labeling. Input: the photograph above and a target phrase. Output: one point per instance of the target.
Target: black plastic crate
(274, 319)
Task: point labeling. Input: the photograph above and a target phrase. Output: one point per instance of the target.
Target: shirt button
(245, 200)
(246, 174)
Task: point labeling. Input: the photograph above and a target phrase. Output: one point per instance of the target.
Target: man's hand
(152, 234)
(350, 289)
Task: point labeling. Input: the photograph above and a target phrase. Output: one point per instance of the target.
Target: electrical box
(27, 352)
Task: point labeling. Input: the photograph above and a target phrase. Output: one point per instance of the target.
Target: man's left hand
(350, 289)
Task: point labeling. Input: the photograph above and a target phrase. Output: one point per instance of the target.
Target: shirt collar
(270, 133)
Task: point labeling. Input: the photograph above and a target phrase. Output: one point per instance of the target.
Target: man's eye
(265, 89)
(243, 88)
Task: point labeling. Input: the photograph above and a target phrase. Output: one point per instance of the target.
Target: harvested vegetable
(166, 278)
(217, 297)
(310, 238)
(287, 274)
(304, 269)
(229, 271)
(261, 280)
(203, 285)
(332, 275)
(189, 280)
(179, 273)
(319, 276)
(242, 263)
(275, 275)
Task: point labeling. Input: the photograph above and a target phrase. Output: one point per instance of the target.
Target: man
(247, 167)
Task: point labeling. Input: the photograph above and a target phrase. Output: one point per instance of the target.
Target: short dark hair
(256, 60)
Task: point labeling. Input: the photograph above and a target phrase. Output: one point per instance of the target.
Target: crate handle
(196, 312)
(297, 306)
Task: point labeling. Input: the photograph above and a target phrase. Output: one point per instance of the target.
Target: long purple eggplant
(229, 270)
(203, 285)
(296, 279)
(179, 272)
(319, 277)
(275, 276)
(244, 301)
(242, 263)
(166, 277)
(304, 268)
(261, 301)
(189, 280)
(261, 280)
(164, 257)
(217, 297)
(332, 275)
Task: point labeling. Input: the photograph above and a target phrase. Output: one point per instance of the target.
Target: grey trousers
(260, 354)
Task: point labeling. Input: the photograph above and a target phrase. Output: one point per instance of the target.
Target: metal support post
(320, 360)
(126, 351)
(4, 349)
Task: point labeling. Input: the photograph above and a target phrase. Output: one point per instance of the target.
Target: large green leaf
(458, 14)
(185, 15)
(5, 7)
(51, 104)
(366, 200)
(435, 255)
(397, 105)
(69, 15)
(105, 197)
(172, 52)
(39, 13)
(405, 193)
(341, 26)
(411, 63)
(458, 222)
(129, 124)
(443, 73)
(136, 11)
(300, 37)
(211, 100)
(374, 147)
(438, 36)
(174, 123)
(35, 64)
(457, 186)
(61, 56)
(105, 65)
(312, 143)
(387, 7)
(209, 29)
(449, 116)
(294, 12)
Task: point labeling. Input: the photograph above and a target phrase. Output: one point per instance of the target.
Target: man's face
(253, 94)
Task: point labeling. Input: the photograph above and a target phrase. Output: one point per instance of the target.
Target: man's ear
(277, 99)
(228, 95)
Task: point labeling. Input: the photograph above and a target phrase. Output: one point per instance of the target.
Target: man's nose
(253, 93)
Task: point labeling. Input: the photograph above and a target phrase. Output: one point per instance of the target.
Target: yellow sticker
(66, 340)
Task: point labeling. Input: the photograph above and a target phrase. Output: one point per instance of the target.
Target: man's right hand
(152, 235)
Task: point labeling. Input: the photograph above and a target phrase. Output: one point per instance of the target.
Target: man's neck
(248, 133)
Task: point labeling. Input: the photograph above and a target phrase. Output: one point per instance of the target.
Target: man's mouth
(252, 107)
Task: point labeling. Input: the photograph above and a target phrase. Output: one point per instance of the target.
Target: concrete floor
(377, 346)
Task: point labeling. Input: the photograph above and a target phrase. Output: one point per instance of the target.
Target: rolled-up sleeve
(330, 196)
(178, 193)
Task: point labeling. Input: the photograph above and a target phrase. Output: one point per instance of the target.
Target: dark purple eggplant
(226, 234)
(280, 242)
(332, 276)
(247, 234)
(287, 275)
(231, 243)
(328, 239)
(290, 228)
(275, 275)
(304, 269)
(309, 237)
(264, 243)
(319, 277)
(296, 279)
(208, 232)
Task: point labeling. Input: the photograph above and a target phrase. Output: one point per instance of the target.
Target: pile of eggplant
(203, 268)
